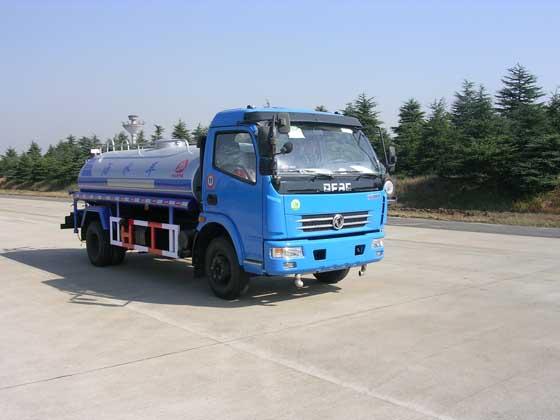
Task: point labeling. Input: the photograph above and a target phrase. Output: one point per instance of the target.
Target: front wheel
(332, 277)
(226, 278)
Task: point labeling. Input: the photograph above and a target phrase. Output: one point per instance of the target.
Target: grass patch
(432, 197)
(548, 220)
(43, 188)
(432, 192)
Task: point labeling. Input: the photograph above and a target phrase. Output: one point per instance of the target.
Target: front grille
(318, 222)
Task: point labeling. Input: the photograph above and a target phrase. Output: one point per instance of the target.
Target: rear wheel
(226, 278)
(100, 251)
(98, 245)
(331, 277)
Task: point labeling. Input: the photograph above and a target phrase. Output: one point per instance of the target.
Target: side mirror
(283, 123)
(200, 141)
(392, 158)
(287, 148)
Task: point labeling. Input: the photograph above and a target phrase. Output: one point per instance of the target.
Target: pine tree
(9, 162)
(472, 111)
(180, 131)
(141, 139)
(473, 149)
(321, 108)
(158, 133)
(24, 168)
(520, 90)
(553, 111)
(364, 109)
(85, 145)
(408, 135)
(537, 167)
(433, 150)
(199, 132)
(34, 151)
(38, 171)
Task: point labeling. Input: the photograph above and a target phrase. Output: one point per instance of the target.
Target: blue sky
(80, 67)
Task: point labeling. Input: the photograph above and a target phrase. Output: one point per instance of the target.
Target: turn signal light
(287, 252)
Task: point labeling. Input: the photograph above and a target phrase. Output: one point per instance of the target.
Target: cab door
(232, 188)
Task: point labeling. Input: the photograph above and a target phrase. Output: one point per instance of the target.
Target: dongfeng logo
(338, 221)
(180, 169)
(337, 186)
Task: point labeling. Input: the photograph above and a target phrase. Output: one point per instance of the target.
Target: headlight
(377, 243)
(389, 187)
(287, 252)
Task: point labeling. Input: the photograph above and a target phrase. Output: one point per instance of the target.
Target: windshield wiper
(367, 175)
(321, 175)
(372, 175)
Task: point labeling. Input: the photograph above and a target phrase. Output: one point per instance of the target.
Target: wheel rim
(220, 270)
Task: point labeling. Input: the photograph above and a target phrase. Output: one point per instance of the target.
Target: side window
(234, 154)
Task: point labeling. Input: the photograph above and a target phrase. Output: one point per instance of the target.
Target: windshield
(326, 149)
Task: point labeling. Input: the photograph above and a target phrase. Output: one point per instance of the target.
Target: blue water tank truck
(268, 192)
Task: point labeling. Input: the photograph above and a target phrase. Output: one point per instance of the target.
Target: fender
(103, 212)
(229, 226)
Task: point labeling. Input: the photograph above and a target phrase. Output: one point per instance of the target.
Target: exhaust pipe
(362, 270)
(298, 282)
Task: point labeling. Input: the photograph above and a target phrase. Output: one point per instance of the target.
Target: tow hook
(362, 270)
(298, 282)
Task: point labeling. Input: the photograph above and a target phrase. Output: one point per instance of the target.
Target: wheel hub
(220, 270)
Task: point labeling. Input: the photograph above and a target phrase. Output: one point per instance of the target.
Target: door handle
(212, 199)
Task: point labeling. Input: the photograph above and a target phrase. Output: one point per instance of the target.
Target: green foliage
(520, 89)
(513, 147)
(435, 144)
(59, 166)
(537, 167)
(180, 131)
(8, 163)
(409, 135)
(321, 108)
(158, 133)
(199, 132)
(141, 139)
(553, 111)
(364, 108)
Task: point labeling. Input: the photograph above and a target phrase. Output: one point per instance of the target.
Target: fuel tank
(169, 169)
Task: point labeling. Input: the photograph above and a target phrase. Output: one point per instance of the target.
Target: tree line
(509, 141)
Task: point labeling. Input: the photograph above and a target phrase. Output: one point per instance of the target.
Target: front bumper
(324, 254)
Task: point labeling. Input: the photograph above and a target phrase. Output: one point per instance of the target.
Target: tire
(98, 246)
(225, 277)
(331, 277)
(117, 255)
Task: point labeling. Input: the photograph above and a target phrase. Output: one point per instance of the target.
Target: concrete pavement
(451, 325)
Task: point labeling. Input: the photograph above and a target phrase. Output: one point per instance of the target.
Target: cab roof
(241, 116)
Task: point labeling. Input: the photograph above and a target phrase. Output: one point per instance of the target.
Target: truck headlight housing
(287, 252)
(377, 243)
(389, 187)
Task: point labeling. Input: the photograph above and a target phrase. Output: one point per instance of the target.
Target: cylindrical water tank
(169, 169)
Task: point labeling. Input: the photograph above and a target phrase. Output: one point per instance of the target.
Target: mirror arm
(272, 142)
(384, 148)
